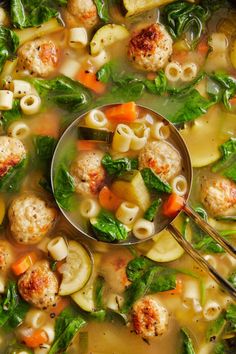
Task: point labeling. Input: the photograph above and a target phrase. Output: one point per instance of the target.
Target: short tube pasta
(189, 72)
(179, 185)
(160, 131)
(49, 329)
(122, 138)
(218, 42)
(78, 37)
(36, 318)
(211, 310)
(57, 248)
(6, 100)
(20, 88)
(2, 284)
(89, 208)
(96, 119)
(127, 213)
(173, 71)
(69, 68)
(143, 229)
(137, 143)
(191, 290)
(30, 104)
(18, 130)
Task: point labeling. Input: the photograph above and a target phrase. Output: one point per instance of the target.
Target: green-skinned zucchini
(138, 6)
(85, 133)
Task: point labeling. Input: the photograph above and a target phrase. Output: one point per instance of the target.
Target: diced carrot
(233, 100)
(173, 205)
(34, 338)
(23, 263)
(90, 80)
(86, 145)
(203, 47)
(60, 306)
(177, 290)
(122, 113)
(49, 125)
(108, 199)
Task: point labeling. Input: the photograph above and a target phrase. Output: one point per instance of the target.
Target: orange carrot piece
(23, 263)
(90, 80)
(173, 205)
(49, 126)
(35, 338)
(86, 145)
(122, 113)
(203, 47)
(233, 100)
(177, 290)
(108, 199)
(60, 306)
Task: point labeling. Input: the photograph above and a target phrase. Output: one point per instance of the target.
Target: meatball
(85, 11)
(40, 57)
(6, 255)
(88, 172)
(39, 285)
(150, 48)
(149, 318)
(30, 219)
(162, 158)
(12, 151)
(218, 194)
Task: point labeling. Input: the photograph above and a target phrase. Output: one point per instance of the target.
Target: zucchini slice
(135, 7)
(85, 133)
(84, 298)
(106, 36)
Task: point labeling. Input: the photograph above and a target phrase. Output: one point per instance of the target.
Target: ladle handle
(210, 231)
(201, 261)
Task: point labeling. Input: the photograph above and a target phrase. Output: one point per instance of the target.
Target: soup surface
(118, 174)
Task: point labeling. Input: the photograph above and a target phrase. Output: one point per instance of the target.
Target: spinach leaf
(232, 279)
(215, 327)
(231, 317)
(227, 86)
(158, 86)
(44, 147)
(102, 9)
(116, 167)
(9, 43)
(67, 326)
(107, 228)
(187, 343)
(12, 115)
(25, 13)
(227, 163)
(11, 182)
(64, 187)
(98, 292)
(138, 266)
(64, 92)
(152, 210)
(220, 348)
(45, 183)
(154, 182)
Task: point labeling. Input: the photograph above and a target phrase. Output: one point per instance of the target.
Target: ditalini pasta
(89, 208)
(50, 331)
(30, 104)
(189, 72)
(122, 138)
(57, 248)
(70, 68)
(173, 71)
(160, 131)
(96, 119)
(127, 213)
(36, 318)
(211, 310)
(143, 229)
(78, 37)
(218, 42)
(19, 130)
(99, 60)
(20, 88)
(137, 143)
(179, 185)
(6, 100)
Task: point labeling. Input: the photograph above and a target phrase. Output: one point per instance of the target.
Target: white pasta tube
(30, 104)
(78, 37)
(20, 88)
(49, 329)
(191, 295)
(218, 42)
(173, 71)
(57, 248)
(6, 100)
(96, 119)
(2, 284)
(143, 229)
(114, 302)
(70, 68)
(179, 185)
(36, 318)
(89, 208)
(211, 310)
(189, 72)
(160, 131)
(99, 60)
(122, 138)
(43, 349)
(18, 130)
(137, 143)
(127, 213)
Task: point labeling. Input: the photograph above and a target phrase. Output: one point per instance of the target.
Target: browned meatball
(149, 318)
(6, 254)
(12, 152)
(150, 48)
(85, 11)
(39, 285)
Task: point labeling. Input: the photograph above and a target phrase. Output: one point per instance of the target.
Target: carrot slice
(108, 199)
(173, 205)
(122, 113)
(23, 263)
(35, 338)
(177, 290)
(90, 80)
(203, 47)
(86, 145)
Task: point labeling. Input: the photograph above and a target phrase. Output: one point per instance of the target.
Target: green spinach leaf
(116, 167)
(227, 85)
(99, 292)
(44, 147)
(154, 182)
(9, 43)
(187, 343)
(102, 9)
(64, 187)
(11, 182)
(12, 115)
(227, 163)
(152, 210)
(215, 327)
(107, 228)
(231, 317)
(232, 279)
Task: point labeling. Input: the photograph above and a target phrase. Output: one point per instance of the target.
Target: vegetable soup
(119, 174)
